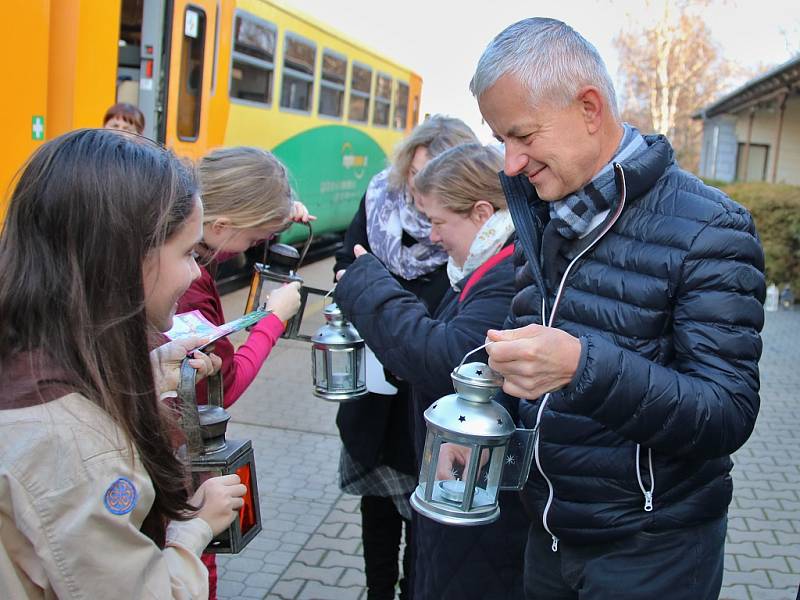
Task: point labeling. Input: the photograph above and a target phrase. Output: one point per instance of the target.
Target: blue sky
(442, 39)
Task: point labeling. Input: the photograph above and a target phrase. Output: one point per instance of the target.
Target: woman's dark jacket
(668, 308)
(423, 347)
(376, 429)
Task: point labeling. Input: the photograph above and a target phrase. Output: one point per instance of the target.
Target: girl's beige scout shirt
(71, 505)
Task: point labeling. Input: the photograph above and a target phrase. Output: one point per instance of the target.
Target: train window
(299, 59)
(401, 106)
(383, 100)
(360, 86)
(331, 90)
(252, 64)
(190, 88)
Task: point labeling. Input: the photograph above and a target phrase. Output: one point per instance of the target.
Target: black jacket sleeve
(356, 234)
(407, 340)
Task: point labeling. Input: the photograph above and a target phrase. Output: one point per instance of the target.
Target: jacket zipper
(648, 494)
(560, 290)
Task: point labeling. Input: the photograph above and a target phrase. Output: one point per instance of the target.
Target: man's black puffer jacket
(668, 307)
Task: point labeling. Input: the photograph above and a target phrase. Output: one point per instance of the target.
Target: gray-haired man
(633, 340)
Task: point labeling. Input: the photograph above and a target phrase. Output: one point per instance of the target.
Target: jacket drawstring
(559, 294)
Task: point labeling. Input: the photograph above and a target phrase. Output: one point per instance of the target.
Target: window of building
(401, 106)
(331, 90)
(190, 90)
(299, 58)
(360, 87)
(253, 63)
(383, 100)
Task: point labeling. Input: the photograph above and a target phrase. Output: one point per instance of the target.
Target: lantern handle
(305, 245)
(329, 292)
(461, 364)
(189, 415)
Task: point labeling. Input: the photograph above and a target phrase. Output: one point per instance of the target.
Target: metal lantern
(280, 266)
(213, 455)
(338, 358)
(465, 450)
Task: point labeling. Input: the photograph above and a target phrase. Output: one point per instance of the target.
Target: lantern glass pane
(493, 471)
(452, 476)
(360, 366)
(320, 372)
(425, 474)
(341, 370)
(247, 514)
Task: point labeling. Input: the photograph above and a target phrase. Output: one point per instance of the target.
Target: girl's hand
(285, 301)
(359, 250)
(166, 362)
(300, 214)
(219, 500)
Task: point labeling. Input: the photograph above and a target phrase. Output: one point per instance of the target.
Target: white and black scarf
(389, 213)
(573, 215)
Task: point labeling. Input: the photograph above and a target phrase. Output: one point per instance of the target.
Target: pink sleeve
(251, 355)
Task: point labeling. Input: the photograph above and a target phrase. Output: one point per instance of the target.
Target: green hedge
(776, 211)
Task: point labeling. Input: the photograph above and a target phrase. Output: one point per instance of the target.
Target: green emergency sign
(37, 127)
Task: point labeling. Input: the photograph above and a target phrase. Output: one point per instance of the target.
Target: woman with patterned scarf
(377, 460)
(461, 194)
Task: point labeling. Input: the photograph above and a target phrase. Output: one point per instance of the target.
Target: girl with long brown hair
(96, 249)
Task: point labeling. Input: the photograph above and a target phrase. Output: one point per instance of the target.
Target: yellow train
(209, 73)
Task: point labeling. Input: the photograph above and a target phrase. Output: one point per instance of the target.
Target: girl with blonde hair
(459, 191)
(247, 200)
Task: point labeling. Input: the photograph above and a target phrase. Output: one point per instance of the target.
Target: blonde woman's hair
(436, 134)
(246, 185)
(462, 176)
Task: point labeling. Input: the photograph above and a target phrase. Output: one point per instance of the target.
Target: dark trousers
(381, 531)
(682, 564)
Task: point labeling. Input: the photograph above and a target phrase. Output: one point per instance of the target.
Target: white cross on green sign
(37, 127)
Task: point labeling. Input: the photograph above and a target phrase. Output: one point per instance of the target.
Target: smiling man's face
(551, 146)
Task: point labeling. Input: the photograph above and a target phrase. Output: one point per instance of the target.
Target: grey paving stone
(735, 592)
(316, 591)
(339, 559)
(327, 543)
(311, 557)
(775, 563)
(760, 593)
(738, 535)
(352, 578)
(287, 590)
(758, 577)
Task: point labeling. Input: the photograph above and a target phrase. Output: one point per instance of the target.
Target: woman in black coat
(460, 193)
(377, 459)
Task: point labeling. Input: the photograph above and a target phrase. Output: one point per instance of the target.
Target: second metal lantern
(465, 450)
(280, 266)
(338, 359)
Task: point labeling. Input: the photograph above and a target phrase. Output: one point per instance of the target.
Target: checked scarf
(572, 216)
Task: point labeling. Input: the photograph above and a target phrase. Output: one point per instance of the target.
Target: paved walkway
(311, 544)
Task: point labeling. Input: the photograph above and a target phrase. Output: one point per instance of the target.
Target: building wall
(765, 126)
(718, 154)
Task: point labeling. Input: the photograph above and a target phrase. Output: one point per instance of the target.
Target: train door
(191, 60)
(141, 72)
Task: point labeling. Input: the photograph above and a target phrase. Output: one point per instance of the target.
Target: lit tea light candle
(452, 489)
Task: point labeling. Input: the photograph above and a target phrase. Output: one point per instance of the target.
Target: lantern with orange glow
(213, 455)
